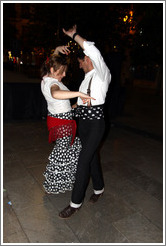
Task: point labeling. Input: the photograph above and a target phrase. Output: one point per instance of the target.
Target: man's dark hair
(80, 54)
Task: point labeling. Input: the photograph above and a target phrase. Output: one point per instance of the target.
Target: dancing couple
(74, 159)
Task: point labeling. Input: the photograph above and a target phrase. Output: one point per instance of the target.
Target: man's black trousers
(90, 133)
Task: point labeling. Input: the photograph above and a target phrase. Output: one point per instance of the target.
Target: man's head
(84, 62)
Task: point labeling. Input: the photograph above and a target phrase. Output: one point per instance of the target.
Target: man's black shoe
(94, 198)
(67, 212)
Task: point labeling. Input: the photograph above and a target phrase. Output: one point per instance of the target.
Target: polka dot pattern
(60, 171)
(62, 166)
(89, 113)
(64, 116)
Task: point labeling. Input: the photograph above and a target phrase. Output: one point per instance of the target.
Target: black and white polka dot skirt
(61, 169)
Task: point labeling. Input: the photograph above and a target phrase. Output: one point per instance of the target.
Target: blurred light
(132, 30)
(114, 46)
(131, 13)
(125, 18)
(10, 54)
(14, 60)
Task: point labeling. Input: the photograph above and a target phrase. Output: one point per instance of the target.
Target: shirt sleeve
(48, 86)
(99, 64)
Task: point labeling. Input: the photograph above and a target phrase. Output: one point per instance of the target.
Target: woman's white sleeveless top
(54, 106)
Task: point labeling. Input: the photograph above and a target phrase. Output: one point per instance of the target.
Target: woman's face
(60, 73)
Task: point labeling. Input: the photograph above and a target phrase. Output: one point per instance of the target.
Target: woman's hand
(74, 105)
(71, 31)
(62, 49)
(85, 98)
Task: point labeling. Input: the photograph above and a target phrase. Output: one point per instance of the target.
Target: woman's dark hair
(54, 61)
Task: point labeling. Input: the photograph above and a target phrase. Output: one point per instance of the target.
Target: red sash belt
(59, 128)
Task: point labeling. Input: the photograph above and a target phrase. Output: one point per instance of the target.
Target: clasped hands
(64, 49)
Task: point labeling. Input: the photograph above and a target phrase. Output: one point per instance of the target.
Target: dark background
(129, 36)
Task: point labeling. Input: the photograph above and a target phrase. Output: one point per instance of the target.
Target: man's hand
(71, 31)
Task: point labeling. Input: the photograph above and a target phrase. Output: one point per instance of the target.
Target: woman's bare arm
(62, 94)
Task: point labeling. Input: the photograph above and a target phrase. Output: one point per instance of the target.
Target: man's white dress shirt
(101, 76)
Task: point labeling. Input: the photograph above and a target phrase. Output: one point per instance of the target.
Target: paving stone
(97, 214)
(138, 229)
(12, 230)
(37, 172)
(133, 191)
(135, 198)
(146, 183)
(23, 189)
(13, 170)
(41, 223)
(16, 237)
(93, 227)
(111, 208)
(33, 157)
(143, 155)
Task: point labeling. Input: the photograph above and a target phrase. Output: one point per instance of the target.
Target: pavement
(131, 210)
